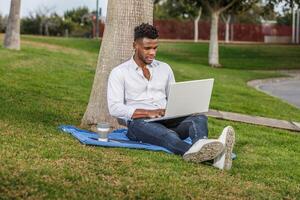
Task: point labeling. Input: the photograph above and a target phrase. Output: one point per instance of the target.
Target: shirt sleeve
(171, 79)
(115, 96)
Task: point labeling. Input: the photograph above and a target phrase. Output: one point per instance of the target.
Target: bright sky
(59, 6)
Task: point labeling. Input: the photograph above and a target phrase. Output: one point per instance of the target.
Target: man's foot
(203, 150)
(224, 161)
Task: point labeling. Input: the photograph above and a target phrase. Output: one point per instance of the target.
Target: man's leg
(194, 126)
(224, 160)
(157, 134)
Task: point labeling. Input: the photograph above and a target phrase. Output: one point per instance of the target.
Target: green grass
(48, 84)
(251, 56)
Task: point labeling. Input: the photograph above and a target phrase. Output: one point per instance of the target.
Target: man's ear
(134, 44)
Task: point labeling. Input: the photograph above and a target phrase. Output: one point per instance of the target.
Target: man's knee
(134, 128)
(199, 118)
(136, 123)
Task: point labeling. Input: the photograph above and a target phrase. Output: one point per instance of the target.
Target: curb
(263, 121)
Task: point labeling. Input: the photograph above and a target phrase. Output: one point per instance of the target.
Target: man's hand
(142, 113)
(156, 113)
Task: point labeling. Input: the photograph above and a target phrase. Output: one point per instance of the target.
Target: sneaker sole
(230, 140)
(208, 152)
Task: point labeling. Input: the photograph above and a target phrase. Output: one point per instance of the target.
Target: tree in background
(254, 14)
(215, 8)
(12, 34)
(251, 10)
(116, 47)
(76, 14)
(285, 17)
(82, 21)
(192, 9)
(180, 10)
(45, 22)
(3, 20)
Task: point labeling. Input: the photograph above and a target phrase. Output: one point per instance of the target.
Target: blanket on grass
(116, 138)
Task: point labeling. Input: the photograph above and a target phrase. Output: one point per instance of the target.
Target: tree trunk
(196, 24)
(116, 47)
(213, 56)
(227, 23)
(41, 27)
(232, 32)
(12, 35)
(47, 29)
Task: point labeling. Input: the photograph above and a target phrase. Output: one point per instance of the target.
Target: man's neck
(139, 62)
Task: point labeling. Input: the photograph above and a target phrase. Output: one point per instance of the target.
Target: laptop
(187, 98)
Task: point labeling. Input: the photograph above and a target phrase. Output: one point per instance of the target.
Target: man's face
(145, 49)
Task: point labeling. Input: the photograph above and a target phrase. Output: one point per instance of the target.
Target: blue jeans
(169, 133)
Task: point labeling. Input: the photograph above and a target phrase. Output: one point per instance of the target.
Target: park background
(48, 82)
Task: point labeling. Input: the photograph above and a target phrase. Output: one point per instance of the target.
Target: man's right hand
(143, 113)
(156, 113)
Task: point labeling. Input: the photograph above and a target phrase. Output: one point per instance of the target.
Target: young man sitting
(138, 90)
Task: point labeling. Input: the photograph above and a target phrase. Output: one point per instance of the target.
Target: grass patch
(48, 84)
(236, 56)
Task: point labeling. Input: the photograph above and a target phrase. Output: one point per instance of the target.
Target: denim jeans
(169, 133)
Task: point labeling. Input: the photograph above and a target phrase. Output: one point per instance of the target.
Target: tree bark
(213, 55)
(232, 32)
(47, 28)
(12, 34)
(116, 47)
(227, 23)
(196, 25)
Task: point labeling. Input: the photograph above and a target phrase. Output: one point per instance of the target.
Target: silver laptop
(187, 98)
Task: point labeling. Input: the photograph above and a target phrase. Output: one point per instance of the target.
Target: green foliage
(175, 9)
(76, 14)
(30, 25)
(254, 14)
(77, 22)
(246, 11)
(3, 21)
(286, 19)
(48, 83)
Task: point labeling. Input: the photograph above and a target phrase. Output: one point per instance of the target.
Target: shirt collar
(136, 67)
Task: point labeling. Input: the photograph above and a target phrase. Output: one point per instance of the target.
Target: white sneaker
(203, 150)
(224, 161)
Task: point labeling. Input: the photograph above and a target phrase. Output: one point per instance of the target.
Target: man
(138, 89)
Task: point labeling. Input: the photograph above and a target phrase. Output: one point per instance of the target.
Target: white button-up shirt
(129, 90)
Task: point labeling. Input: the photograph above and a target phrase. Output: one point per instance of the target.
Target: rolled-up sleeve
(115, 96)
(171, 79)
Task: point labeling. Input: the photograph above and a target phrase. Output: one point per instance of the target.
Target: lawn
(48, 84)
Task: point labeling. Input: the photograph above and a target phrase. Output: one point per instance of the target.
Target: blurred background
(263, 22)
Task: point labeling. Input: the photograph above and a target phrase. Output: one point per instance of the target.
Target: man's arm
(115, 96)
(171, 79)
(143, 113)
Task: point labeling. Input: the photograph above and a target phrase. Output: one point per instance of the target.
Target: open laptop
(186, 98)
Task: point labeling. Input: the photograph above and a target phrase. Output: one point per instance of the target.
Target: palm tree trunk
(116, 47)
(12, 34)
(213, 55)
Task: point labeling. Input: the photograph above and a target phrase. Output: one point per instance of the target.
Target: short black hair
(145, 30)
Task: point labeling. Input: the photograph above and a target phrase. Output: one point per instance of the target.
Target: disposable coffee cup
(103, 130)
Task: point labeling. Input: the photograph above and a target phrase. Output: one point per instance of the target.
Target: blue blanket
(117, 138)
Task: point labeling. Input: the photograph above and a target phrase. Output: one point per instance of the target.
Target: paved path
(287, 89)
(275, 123)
